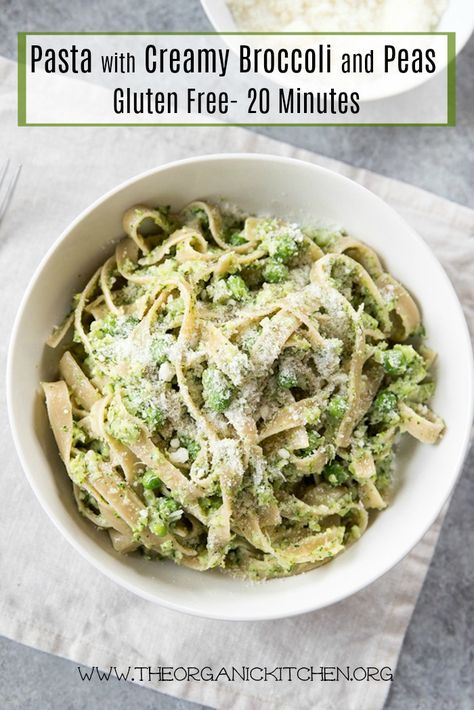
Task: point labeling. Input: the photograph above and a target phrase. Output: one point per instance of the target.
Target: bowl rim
(92, 557)
(210, 12)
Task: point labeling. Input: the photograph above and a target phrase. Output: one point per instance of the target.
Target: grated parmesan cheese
(181, 455)
(166, 372)
(337, 15)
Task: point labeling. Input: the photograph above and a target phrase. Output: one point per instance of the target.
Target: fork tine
(9, 190)
(4, 171)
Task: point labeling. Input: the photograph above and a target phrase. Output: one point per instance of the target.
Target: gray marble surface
(435, 668)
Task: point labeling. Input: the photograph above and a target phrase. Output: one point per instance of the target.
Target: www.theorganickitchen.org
(246, 674)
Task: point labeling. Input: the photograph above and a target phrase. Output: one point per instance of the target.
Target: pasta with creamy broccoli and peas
(234, 390)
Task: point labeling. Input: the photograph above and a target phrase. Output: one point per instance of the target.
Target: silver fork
(8, 179)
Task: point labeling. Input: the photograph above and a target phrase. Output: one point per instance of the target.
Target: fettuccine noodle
(234, 390)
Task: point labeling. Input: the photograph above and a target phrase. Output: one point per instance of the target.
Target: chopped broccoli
(160, 347)
(237, 239)
(384, 472)
(335, 474)
(248, 338)
(210, 504)
(83, 465)
(120, 427)
(104, 333)
(275, 272)
(403, 359)
(422, 393)
(114, 326)
(101, 328)
(175, 307)
(287, 377)
(223, 290)
(164, 512)
(192, 446)
(142, 404)
(79, 436)
(219, 291)
(411, 391)
(151, 414)
(313, 415)
(237, 287)
(384, 408)
(394, 363)
(369, 321)
(283, 247)
(324, 236)
(140, 398)
(167, 506)
(100, 448)
(337, 407)
(217, 390)
(78, 468)
(314, 442)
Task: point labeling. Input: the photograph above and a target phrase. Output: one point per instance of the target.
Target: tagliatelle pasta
(234, 390)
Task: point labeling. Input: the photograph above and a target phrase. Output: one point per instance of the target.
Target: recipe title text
(235, 79)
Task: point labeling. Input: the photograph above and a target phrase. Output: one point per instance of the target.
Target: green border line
(236, 125)
(277, 34)
(451, 81)
(22, 79)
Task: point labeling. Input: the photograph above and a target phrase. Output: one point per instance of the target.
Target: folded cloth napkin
(54, 600)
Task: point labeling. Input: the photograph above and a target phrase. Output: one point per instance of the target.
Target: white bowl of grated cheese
(295, 190)
(348, 16)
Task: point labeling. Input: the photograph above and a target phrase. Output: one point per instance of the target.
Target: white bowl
(303, 192)
(458, 18)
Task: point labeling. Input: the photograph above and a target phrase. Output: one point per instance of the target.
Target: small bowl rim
(210, 13)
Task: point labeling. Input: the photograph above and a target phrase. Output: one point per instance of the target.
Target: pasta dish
(234, 389)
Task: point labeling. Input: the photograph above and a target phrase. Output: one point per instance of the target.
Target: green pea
(158, 527)
(150, 479)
